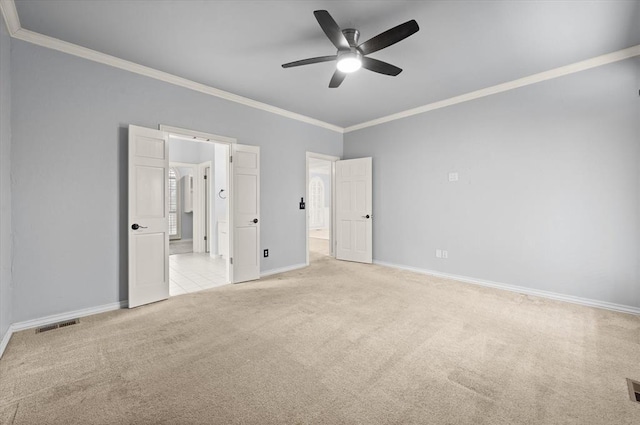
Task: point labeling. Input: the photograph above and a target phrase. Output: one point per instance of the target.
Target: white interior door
(148, 215)
(354, 210)
(245, 261)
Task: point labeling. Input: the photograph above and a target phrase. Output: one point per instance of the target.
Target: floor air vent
(57, 325)
(634, 390)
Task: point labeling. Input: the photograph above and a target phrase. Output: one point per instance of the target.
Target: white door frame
(332, 213)
(199, 136)
(203, 220)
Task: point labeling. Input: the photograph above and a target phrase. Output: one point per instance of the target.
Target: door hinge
(205, 238)
(231, 158)
(205, 176)
(231, 260)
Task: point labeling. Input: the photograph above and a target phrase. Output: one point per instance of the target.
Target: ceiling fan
(350, 55)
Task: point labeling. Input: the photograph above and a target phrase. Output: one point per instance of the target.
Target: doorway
(319, 204)
(197, 214)
(148, 210)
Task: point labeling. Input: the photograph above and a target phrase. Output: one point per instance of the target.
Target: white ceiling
(238, 46)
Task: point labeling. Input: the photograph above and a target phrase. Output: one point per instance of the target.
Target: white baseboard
(5, 340)
(55, 318)
(282, 269)
(47, 320)
(520, 289)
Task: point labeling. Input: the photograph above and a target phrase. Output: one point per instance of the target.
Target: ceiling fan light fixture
(351, 56)
(349, 62)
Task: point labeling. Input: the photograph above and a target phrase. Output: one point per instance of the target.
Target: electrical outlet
(438, 253)
(453, 177)
(266, 253)
(445, 254)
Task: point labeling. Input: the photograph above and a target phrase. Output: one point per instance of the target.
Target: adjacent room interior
(319, 201)
(286, 212)
(197, 179)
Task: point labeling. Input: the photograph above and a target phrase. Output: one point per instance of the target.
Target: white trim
(55, 318)
(200, 136)
(92, 55)
(332, 238)
(10, 13)
(282, 270)
(5, 340)
(12, 20)
(199, 216)
(521, 82)
(519, 289)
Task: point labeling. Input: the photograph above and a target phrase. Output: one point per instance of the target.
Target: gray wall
(69, 122)
(5, 180)
(190, 152)
(549, 188)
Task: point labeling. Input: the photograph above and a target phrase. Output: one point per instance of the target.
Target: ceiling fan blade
(389, 37)
(337, 79)
(380, 67)
(310, 61)
(331, 29)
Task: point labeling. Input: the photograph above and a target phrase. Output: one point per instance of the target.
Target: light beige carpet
(318, 246)
(335, 343)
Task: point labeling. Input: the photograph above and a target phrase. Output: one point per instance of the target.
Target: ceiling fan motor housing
(353, 54)
(352, 35)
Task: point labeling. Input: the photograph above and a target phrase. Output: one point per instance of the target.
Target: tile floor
(195, 272)
(180, 247)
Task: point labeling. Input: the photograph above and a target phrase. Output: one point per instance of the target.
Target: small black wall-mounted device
(301, 203)
(266, 253)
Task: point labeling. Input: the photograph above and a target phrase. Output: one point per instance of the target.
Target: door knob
(136, 226)
(365, 216)
(255, 220)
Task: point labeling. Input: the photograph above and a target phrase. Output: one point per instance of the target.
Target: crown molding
(521, 82)
(13, 24)
(10, 13)
(12, 20)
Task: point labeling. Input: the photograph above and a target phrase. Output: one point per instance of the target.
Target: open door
(354, 210)
(245, 261)
(148, 216)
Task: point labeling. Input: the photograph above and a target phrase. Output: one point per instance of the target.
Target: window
(174, 205)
